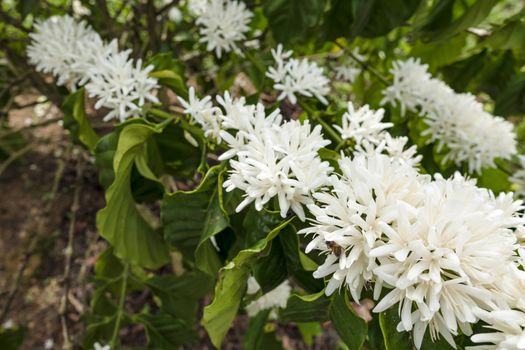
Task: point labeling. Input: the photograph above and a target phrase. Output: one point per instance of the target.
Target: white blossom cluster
(456, 121)
(274, 299)
(269, 158)
(74, 53)
(223, 23)
(297, 76)
(365, 128)
(444, 248)
(349, 70)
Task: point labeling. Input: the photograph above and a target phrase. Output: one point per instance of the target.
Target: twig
(68, 253)
(14, 156)
(34, 240)
(166, 7)
(32, 126)
(364, 65)
(122, 299)
(27, 105)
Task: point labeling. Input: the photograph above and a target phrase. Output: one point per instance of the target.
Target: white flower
(121, 84)
(396, 148)
(196, 7)
(49, 344)
(371, 192)
(203, 113)
(518, 177)
(363, 124)
(293, 76)
(222, 24)
(98, 346)
(174, 13)
(276, 298)
(509, 326)
(443, 262)
(79, 9)
(282, 161)
(349, 70)
(455, 121)
(61, 46)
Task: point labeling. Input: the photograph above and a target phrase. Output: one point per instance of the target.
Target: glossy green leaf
(510, 36)
(393, 339)
(471, 17)
(166, 332)
(120, 222)
(76, 121)
(374, 18)
(351, 328)
(290, 19)
(169, 72)
(231, 287)
(309, 308)
(191, 218)
(253, 338)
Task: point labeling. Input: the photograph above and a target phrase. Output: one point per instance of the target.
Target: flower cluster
(268, 158)
(293, 76)
(455, 121)
(442, 247)
(276, 298)
(349, 70)
(75, 54)
(222, 23)
(364, 127)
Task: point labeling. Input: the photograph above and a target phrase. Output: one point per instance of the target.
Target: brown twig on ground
(32, 126)
(34, 239)
(14, 156)
(68, 253)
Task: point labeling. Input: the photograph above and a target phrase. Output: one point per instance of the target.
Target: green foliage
(231, 287)
(75, 120)
(290, 19)
(120, 222)
(12, 338)
(351, 328)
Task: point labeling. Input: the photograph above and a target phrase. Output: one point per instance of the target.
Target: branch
(122, 299)
(14, 156)
(167, 7)
(31, 126)
(364, 65)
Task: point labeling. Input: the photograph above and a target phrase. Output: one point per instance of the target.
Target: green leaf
(290, 19)
(471, 17)
(309, 330)
(169, 72)
(231, 287)
(510, 36)
(373, 18)
(393, 339)
(255, 332)
(166, 332)
(494, 179)
(439, 53)
(191, 218)
(351, 328)
(25, 7)
(180, 295)
(104, 153)
(270, 271)
(75, 120)
(309, 308)
(512, 99)
(12, 338)
(120, 222)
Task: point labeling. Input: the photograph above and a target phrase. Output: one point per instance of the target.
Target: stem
(14, 156)
(122, 299)
(365, 65)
